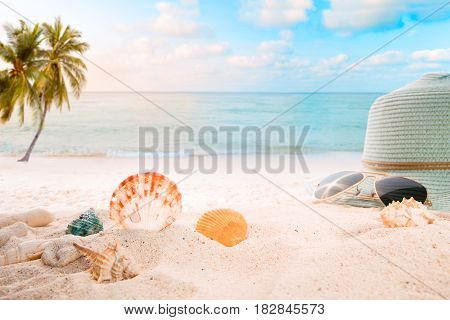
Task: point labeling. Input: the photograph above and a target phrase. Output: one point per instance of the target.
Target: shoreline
(132, 155)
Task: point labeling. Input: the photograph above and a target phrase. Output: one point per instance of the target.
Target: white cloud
(251, 61)
(293, 63)
(330, 65)
(146, 45)
(432, 55)
(280, 46)
(350, 15)
(420, 66)
(275, 13)
(148, 51)
(174, 19)
(124, 28)
(189, 2)
(156, 64)
(269, 52)
(336, 60)
(197, 50)
(177, 19)
(388, 57)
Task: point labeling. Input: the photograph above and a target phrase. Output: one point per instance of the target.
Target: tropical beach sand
(292, 252)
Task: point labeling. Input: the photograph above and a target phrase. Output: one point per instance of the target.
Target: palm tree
(40, 77)
(58, 66)
(16, 83)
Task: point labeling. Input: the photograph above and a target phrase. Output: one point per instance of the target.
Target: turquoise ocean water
(107, 124)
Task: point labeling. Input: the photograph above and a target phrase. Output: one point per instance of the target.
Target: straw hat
(408, 134)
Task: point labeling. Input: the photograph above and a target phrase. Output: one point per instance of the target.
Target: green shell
(88, 223)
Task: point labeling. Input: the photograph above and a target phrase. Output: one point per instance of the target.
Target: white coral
(60, 252)
(57, 252)
(408, 213)
(18, 229)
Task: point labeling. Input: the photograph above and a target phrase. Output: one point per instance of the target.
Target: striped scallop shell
(225, 226)
(147, 201)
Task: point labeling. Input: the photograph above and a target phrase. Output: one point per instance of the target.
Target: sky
(251, 45)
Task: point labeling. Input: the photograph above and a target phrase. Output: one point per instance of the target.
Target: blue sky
(252, 45)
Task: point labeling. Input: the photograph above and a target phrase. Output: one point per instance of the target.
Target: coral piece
(225, 226)
(88, 223)
(33, 218)
(60, 252)
(408, 213)
(146, 201)
(25, 251)
(110, 264)
(18, 229)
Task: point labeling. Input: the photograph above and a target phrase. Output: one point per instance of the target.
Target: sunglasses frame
(375, 196)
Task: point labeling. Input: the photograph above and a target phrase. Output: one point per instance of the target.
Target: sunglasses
(385, 188)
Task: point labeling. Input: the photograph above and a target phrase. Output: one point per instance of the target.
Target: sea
(116, 124)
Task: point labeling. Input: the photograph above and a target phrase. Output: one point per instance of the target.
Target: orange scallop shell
(225, 226)
(147, 201)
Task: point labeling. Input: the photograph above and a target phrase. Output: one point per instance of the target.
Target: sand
(292, 252)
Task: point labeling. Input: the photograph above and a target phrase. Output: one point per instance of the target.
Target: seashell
(145, 201)
(408, 213)
(110, 264)
(88, 223)
(33, 218)
(18, 229)
(60, 252)
(224, 225)
(25, 251)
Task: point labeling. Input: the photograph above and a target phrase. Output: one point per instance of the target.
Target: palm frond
(43, 68)
(65, 70)
(20, 52)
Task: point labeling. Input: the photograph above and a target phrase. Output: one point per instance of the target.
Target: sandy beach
(292, 252)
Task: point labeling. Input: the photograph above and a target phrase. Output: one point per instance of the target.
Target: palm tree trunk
(27, 155)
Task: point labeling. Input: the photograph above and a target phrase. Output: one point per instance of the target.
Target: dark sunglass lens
(337, 182)
(396, 188)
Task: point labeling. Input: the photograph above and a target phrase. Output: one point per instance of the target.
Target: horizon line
(242, 92)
